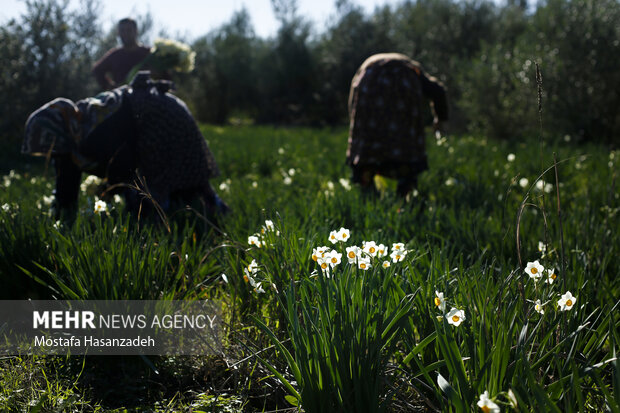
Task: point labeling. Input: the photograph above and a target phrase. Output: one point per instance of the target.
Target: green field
(358, 340)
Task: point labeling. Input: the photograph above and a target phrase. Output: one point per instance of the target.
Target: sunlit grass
(289, 191)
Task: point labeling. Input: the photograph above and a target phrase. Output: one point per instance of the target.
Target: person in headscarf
(386, 135)
(138, 136)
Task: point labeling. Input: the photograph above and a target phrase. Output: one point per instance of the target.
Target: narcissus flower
(567, 301)
(259, 289)
(512, 399)
(100, 207)
(440, 301)
(386, 264)
(455, 317)
(334, 258)
(542, 247)
(268, 226)
(47, 200)
(487, 405)
(511, 157)
(343, 235)
(398, 255)
(249, 279)
(370, 248)
(324, 263)
(353, 254)
(364, 263)
(249, 271)
(398, 246)
(319, 252)
(382, 251)
(90, 184)
(333, 237)
(551, 276)
(253, 267)
(534, 270)
(539, 307)
(254, 240)
(544, 186)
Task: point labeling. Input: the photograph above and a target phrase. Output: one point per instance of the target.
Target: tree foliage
(485, 52)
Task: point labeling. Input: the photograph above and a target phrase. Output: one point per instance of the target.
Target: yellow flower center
(344, 236)
(381, 252)
(334, 260)
(437, 301)
(534, 270)
(333, 237)
(371, 249)
(485, 409)
(351, 254)
(314, 257)
(245, 278)
(569, 303)
(362, 266)
(398, 257)
(324, 265)
(553, 276)
(455, 318)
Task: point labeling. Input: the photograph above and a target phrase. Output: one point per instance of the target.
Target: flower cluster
(6, 179)
(169, 54)
(90, 185)
(250, 273)
(342, 235)
(454, 316)
(362, 257)
(536, 271)
(259, 239)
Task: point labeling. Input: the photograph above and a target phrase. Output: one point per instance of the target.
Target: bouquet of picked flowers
(167, 56)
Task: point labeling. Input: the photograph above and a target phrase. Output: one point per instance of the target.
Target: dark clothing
(132, 132)
(172, 153)
(118, 62)
(386, 133)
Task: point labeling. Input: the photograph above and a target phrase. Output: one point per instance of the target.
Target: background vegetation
(482, 50)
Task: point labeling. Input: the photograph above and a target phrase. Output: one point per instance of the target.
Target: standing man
(112, 69)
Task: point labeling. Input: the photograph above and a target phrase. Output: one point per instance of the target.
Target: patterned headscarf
(52, 129)
(57, 127)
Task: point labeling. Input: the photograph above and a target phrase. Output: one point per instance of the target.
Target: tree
(49, 51)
